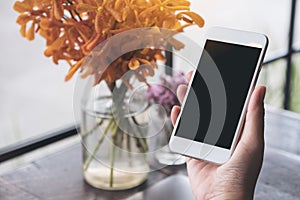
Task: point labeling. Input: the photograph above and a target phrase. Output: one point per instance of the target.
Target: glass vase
(114, 155)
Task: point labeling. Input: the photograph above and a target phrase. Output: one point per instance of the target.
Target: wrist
(228, 196)
(236, 196)
(233, 193)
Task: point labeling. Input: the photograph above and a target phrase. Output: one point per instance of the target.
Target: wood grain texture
(280, 177)
(11, 192)
(59, 176)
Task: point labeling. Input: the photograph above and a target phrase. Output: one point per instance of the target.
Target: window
(34, 96)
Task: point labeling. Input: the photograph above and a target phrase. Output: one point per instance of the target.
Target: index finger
(189, 76)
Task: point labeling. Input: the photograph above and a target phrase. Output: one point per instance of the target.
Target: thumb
(252, 139)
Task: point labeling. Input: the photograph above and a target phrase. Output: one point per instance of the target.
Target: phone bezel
(209, 152)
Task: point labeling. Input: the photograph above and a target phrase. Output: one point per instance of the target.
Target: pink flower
(164, 92)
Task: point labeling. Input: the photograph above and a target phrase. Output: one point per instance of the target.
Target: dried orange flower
(73, 28)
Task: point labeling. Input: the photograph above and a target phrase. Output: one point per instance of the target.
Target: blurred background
(34, 98)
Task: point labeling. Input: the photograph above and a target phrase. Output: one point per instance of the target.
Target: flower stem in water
(112, 155)
(92, 155)
(98, 123)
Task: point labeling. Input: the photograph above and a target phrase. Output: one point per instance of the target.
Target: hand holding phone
(236, 179)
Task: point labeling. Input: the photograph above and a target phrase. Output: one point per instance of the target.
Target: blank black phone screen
(236, 65)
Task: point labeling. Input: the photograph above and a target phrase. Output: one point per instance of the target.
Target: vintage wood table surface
(58, 176)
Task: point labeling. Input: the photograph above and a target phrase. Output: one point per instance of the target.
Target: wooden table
(59, 176)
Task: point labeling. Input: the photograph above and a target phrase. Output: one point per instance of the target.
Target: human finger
(174, 114)
(181, 91)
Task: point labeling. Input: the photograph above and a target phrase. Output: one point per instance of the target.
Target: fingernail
(172, 110)
(179, 89)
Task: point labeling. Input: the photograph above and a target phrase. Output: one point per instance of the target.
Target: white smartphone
(214, 107)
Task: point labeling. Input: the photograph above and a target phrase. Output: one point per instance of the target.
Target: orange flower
(73, 28)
